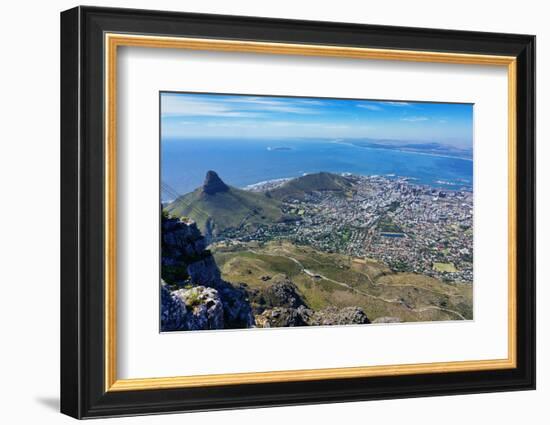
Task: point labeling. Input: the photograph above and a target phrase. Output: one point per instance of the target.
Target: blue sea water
(239, 163)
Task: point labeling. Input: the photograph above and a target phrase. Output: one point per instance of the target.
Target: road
(311, 273)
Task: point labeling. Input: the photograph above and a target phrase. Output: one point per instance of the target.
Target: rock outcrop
(342, 316)
(283, 317)
(183, 252)
(236, 306)
(283, 293)
(213, 184)
(172, 311)
(279, 291)
(203, 306)
(302, 316)
(193, 294)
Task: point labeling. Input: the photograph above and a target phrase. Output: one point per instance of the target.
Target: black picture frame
(83, 392)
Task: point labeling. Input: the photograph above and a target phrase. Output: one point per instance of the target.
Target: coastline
(272, 183)
(264, 185)
(244, 166)
(402, 151)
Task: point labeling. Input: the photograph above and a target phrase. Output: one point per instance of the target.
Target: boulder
(283, 293)
(335, 316)
(283, 317)
(203, 306)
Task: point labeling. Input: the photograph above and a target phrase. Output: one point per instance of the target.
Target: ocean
(240, 163)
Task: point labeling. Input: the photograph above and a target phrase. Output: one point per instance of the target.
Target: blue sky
(191, 115)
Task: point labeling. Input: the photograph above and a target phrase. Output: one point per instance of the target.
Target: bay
(184, 162)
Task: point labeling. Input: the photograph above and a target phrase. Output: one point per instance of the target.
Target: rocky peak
(213, 184)
(283, 293)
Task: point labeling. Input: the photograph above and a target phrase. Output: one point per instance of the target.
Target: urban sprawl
(410, 227)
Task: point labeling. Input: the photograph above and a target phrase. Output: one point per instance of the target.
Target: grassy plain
(333, 279)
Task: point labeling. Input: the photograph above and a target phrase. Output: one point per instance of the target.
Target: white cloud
(232, 107)
(313, 102)
(270, 101)
(415, 119)
(175, 105)
(288, 109)
(397, 103)
(369, 106)
(231, 124)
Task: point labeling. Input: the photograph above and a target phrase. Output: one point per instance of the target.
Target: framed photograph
(261, 212)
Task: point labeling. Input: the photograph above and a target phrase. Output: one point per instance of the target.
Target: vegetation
(323, 274)
(219, 212)
(335, 279)
(445, 267)
(298, 188)
(193, 299)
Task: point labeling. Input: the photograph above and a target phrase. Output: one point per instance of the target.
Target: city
(407, 226)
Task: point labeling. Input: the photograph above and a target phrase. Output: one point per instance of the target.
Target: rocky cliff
(193, 294)
(195, 297)
(303, 316)
(280, 304)
(213, 184)
(191, 309)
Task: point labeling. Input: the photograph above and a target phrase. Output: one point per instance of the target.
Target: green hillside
(216, 207)
(326, 279)
(318, 182)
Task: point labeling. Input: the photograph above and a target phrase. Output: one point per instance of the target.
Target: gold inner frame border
(113, 40)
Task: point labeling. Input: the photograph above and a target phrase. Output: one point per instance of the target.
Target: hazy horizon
(215, 116)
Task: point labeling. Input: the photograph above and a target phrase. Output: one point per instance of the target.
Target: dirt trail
(309, 272)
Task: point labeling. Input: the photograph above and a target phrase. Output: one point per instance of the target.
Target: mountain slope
(318, 182)
(217, 207)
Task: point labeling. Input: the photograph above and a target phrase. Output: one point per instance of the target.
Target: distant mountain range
(217, 207)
